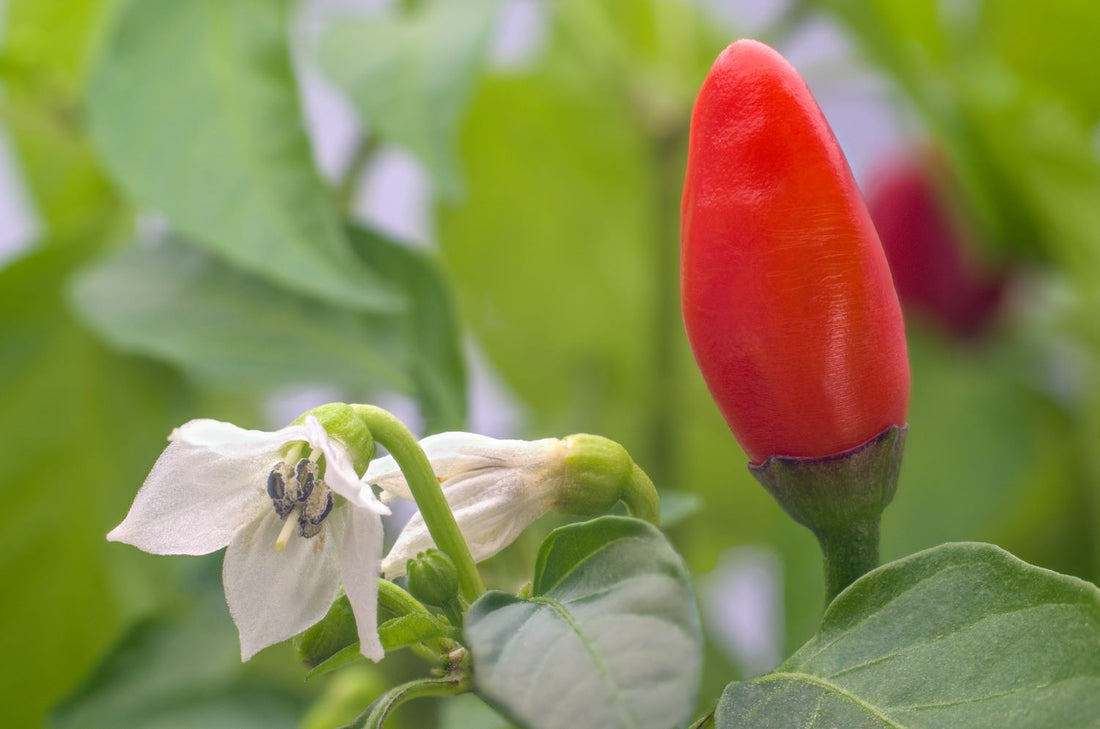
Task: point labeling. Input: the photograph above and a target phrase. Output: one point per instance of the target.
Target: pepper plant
(375, 578)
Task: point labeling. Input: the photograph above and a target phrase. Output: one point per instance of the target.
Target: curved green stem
(705, 721)
(395, 697)
(392, 434)
(398, 601)
(641, 499)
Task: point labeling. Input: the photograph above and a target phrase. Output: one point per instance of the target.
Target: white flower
(290, 544)
(495, 489)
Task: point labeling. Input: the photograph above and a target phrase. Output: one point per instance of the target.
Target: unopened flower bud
(497, 488)
(433, 579)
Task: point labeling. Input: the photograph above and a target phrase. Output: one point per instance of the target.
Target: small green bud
(342, 424)
(596, 473)
(433, 579)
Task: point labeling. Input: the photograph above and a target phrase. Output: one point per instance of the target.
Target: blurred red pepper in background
(927, 249)
(786, 293)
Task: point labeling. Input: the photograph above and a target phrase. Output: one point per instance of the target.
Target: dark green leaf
(86, 425)
(346, 656)
(179, 305)
(181, 670)
(396, 633)
(411, 76)
(609, 637)
(194, 109)
(963, 636)
(335, 632)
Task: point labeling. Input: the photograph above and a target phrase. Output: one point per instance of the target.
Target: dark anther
(325, 510)
(276, 489)
(305, 473)
(276, 485)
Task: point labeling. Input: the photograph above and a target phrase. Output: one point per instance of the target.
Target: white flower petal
(455, 453)
(228, 439)
(276, 594)
(360, 557)
(492, 508)
(195, 500)
(339, 473)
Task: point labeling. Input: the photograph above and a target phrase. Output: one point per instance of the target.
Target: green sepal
(830, 493)
(342, 424)
(328, 638)
(598, 473)
(840, 498)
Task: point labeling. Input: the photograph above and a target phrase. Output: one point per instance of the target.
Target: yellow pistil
(288, 529)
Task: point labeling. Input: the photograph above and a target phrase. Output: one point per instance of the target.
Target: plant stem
(353, 173)
(392, 434)
(667, 146)
(848, 555)
(706, 720)
(395, 697)
(641, 498)
(398, 601)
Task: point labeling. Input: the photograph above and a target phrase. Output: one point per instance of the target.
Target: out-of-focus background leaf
(191, 261)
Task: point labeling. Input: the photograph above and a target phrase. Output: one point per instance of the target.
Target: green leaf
(179, 670)
(470, 712)
(44, 59)
(216, 143)
(229, 327)
(411, 76)
(335, 632)
(550, 252)
(396, 633)
(405, 630)
(84, 425)
(962, 636)
(608, 638)
(432, 332)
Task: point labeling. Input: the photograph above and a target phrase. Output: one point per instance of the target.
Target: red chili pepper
(786, 293)
(927, 250)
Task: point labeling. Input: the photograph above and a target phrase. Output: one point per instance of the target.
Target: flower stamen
(298, 490)
(284, 535)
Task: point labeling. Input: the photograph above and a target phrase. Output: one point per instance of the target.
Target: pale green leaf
(195, 111)
(411, 76)
(179, 305)
(608, 638)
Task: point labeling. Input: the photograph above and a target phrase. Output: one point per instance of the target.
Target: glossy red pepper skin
(786, 293)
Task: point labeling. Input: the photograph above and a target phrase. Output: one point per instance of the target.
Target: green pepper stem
(385, 704)
(848, 555)
(641, 499)
(392, 434)
(397, 601)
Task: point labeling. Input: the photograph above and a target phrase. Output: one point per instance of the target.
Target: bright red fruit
(786, 293)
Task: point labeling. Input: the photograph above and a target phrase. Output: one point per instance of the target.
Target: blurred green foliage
(556, 216)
